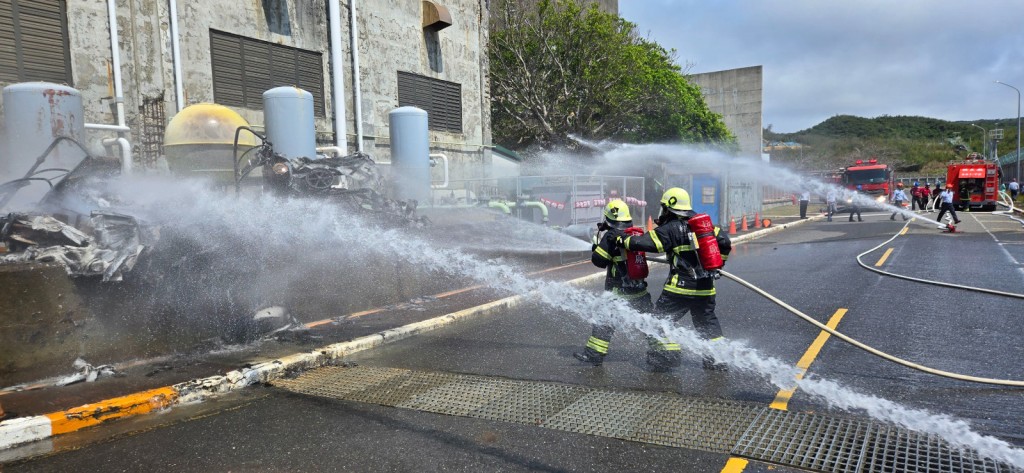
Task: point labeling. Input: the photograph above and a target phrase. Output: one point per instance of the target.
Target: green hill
(912, 144)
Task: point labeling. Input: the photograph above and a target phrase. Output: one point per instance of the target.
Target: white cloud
(934, 58)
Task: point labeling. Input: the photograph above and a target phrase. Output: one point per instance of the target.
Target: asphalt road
(811, 267)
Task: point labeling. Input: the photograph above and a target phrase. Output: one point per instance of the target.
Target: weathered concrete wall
(737, 94)
(391, 39)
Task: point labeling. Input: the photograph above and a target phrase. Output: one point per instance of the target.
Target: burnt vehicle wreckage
(220, 285)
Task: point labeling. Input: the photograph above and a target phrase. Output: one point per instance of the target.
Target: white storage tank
(35, 114)
(288, 122)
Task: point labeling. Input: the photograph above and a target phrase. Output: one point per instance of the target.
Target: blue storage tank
(288, 121)
(410, 153)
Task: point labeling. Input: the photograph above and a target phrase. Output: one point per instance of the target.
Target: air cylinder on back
(288, 118)
(35, 114)
(410, 153)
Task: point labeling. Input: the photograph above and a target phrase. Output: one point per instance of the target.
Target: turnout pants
(601, 335)
(665, 353)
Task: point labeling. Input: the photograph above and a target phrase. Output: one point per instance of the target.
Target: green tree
(559, 71)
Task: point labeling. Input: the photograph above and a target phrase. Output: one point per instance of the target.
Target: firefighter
(854, 205)
(946, 198)
(915, 197)
(605, 254)
(898, 198)
(688, 288)
(925, 197)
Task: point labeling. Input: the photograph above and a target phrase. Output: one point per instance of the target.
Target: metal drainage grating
(658, 418)
(801, 440)
(835, 444)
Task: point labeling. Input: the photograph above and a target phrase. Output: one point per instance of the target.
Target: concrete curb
(28, 429)
(772, 229)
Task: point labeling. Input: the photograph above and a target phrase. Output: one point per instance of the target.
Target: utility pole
(1018, 127)
(984, 139)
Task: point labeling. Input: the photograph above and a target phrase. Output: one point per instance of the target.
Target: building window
(442, 100)
(38, 32)
(276, 12)
(244, 68)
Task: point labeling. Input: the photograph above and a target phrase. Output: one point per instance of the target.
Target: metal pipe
(444, 158)
(179, 87)
(337, 75)
(494, 204)
(354, 43)
(100, 126)
(331, 150)
(540, 205)
(126, 152)
(115, 52)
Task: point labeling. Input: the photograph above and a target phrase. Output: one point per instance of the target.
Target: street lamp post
(984, 140)
(1018, 125)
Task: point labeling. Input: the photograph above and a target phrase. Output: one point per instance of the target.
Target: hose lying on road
(862, 346)
(929, 281)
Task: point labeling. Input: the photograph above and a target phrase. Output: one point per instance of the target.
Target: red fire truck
(975, 182)
(875, 179)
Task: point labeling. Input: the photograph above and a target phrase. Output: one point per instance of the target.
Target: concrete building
(737, 95)
(429, 54)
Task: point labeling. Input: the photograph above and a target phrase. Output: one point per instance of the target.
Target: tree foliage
(559, 70)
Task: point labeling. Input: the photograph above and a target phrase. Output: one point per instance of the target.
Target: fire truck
(875, 179)
(975, 182)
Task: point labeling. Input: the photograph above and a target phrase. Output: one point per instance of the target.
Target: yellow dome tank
(198, 142)
(207, 124)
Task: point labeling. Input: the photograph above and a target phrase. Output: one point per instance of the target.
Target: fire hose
(862, 346)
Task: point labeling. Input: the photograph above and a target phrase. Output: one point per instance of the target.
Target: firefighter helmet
(676, 200)
(617, 211)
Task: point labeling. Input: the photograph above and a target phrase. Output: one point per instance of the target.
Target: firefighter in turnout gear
(689, 288)
(605, 254)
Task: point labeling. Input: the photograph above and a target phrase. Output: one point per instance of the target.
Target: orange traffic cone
(650, 223)
(732, 226)
(757, 220)
(743, 224)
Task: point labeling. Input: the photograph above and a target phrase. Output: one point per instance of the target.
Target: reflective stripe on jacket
(673, 239)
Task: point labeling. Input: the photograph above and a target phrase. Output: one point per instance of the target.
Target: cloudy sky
(933, 58)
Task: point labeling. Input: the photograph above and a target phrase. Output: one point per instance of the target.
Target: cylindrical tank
(410, 153)
(288, 118)
(199, 141)
(35, 114)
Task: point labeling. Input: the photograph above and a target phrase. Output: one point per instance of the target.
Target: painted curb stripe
(27, 429)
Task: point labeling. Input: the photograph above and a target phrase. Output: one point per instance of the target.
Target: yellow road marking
(734, 465)
(781, 401)
(884, 257)
(905, 229)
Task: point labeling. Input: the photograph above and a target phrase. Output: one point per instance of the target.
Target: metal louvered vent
(34, 41)
(442, 100)
(243, 68)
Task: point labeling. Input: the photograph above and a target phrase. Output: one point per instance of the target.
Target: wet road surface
(811, 267)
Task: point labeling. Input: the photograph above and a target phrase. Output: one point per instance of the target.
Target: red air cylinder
(636, 261)
(707, 245)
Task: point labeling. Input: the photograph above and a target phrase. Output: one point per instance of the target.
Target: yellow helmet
(617, 211)
(677, 200)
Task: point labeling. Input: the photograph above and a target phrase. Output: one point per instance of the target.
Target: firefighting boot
(586, 357)
(709, 364)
